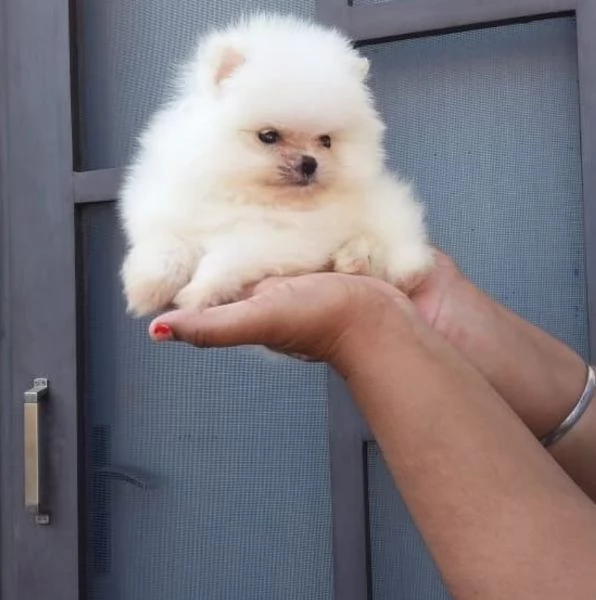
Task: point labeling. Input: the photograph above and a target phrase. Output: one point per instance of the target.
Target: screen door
(486, 124)
(184, 474)
(207, 472)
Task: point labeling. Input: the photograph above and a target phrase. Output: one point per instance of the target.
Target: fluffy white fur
(208, 208)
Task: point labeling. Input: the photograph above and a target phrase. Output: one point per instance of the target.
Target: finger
(265, 284)
(256, 320)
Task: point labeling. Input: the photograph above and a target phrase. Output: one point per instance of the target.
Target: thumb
(256, 320)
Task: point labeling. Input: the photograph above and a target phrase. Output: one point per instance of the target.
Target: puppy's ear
(216, 59)
(361, 67)
(226, 61)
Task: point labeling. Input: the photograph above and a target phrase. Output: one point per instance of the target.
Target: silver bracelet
(575, 415)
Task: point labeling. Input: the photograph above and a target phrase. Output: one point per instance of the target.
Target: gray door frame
(370, 23)
(38, 295)
(39, 192)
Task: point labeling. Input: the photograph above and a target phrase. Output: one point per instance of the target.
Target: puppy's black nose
(308, 166)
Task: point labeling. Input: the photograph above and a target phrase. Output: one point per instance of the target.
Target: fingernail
(162, 332)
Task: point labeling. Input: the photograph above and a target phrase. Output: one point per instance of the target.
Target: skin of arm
(538, 376)
(500, 516)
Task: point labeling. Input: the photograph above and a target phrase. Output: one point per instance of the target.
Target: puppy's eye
(325, 141)
(269, 136)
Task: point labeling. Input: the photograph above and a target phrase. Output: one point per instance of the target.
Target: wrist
(384, 317)
(540, 377)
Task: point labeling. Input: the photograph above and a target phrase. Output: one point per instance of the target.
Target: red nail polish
(163, 331)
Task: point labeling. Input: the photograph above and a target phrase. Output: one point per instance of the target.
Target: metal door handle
(33, 455)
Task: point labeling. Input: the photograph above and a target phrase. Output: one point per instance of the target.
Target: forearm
(539, 377)
(499, 516)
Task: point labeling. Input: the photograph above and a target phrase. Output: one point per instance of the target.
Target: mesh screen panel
(128, 48)
(208, 470)
(485, 123)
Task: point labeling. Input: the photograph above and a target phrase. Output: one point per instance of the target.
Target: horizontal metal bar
(96, 186)
(404, 17)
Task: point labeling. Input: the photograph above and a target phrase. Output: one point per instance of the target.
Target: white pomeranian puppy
(267, 161)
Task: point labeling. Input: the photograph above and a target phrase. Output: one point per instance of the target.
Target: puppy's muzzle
(308, 166)
(301, 171)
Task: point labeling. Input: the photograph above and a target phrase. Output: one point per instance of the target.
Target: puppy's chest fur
(328, 223)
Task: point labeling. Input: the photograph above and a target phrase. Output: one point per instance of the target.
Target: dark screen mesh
(208, 470)
(486, 124)
(128, 48)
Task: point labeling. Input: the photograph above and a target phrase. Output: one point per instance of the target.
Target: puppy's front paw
(353, 258)
(408, 269)
(146, 295)
(195, 297)
(203, 292)
(408, 284)
(151, 281)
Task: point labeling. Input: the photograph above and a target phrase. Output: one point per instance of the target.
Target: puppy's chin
(307, 184)
(301, 193)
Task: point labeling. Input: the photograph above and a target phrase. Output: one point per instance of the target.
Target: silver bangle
(575, 415)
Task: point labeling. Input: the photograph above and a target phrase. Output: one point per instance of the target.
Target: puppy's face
(300, 162)
(293, 157)
(292, 130)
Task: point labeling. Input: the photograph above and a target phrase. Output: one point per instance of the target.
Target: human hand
(325, 316)
(538, 376)
(435, 297)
